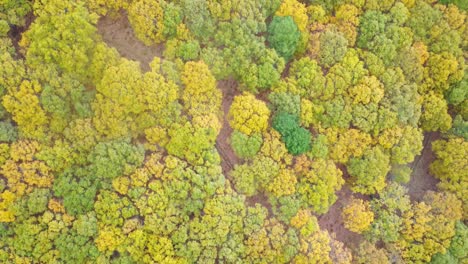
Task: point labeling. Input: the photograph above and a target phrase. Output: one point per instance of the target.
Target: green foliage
(112, 159)
(78, 190)
(63, 39)
(106, 160)
(333, 47)
(285, 102)
(8, 133)
(245, 146)
(297, 139)
(319, 181)
(369, 172)
(252, 176)
(283, 36)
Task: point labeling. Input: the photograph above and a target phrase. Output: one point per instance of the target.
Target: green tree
(245, 146)
(297, 139)
(283, 36)
(369, 172)
(333, 47)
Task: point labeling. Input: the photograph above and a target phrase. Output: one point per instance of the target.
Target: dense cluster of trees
(103, 162)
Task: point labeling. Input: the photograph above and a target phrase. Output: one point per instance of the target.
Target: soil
(333, 222)
(118, 33)
(228, 157)
(421, 179)
(16, 33)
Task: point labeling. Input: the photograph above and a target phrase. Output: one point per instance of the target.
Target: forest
(234, 131)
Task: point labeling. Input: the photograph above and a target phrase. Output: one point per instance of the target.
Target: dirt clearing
(118, 33)
(228, 157)
(421, 180)
(333, 222)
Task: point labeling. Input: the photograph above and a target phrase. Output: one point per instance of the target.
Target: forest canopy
(233, 131)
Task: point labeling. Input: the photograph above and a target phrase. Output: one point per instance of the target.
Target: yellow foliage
(4, 152)
(24, 150)
(357, 215)
(248, 114)
(121, 184)
(310, 112)
(421, 51)
(347, 144)
(274, 148)
(303, 217)
(146, 18)
(200, 95)
(370, 89)
(284, 183)
(157, 135)
(102, 7)
(314, 248)
(109, 239)
(23, 104)
(297, 11)
(56, 206)
(22, 172)
(6, 201)
(390, 137)
(347, 20)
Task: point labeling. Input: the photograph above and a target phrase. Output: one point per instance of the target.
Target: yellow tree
(200, 94)
(23, 104)
(357, 215)
(248, 114)
(451, 167)
(146, 18)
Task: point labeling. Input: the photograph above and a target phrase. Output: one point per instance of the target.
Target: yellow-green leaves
(248, 114)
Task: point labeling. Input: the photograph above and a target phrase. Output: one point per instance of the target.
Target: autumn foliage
(260, 129)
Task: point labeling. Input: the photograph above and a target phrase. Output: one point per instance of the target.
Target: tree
(78, 189)
(429, 226)
(317, 183)
(255, 175)
(450, 166)
(283, 36)
(296, 138)
(248, 114)
(23, 104)
(344, 144)
(285, 102)
(115, 158)
(369, 253)
(369, 172)
(357, 215)
(14, 12)
(200, 95)
(333, 47)
(147, 19)
(408, 146)
(245, 146)
(393, 202)
(62, 38)
(191, 143)
(434, 113)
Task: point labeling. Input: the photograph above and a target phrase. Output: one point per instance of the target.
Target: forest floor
(117, 33)
(421, 180)
(228, 157)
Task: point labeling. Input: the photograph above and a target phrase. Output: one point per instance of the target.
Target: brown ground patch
(118, 33)
(228, 157)
(16, 33)
(333, 222)
(421, 179)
